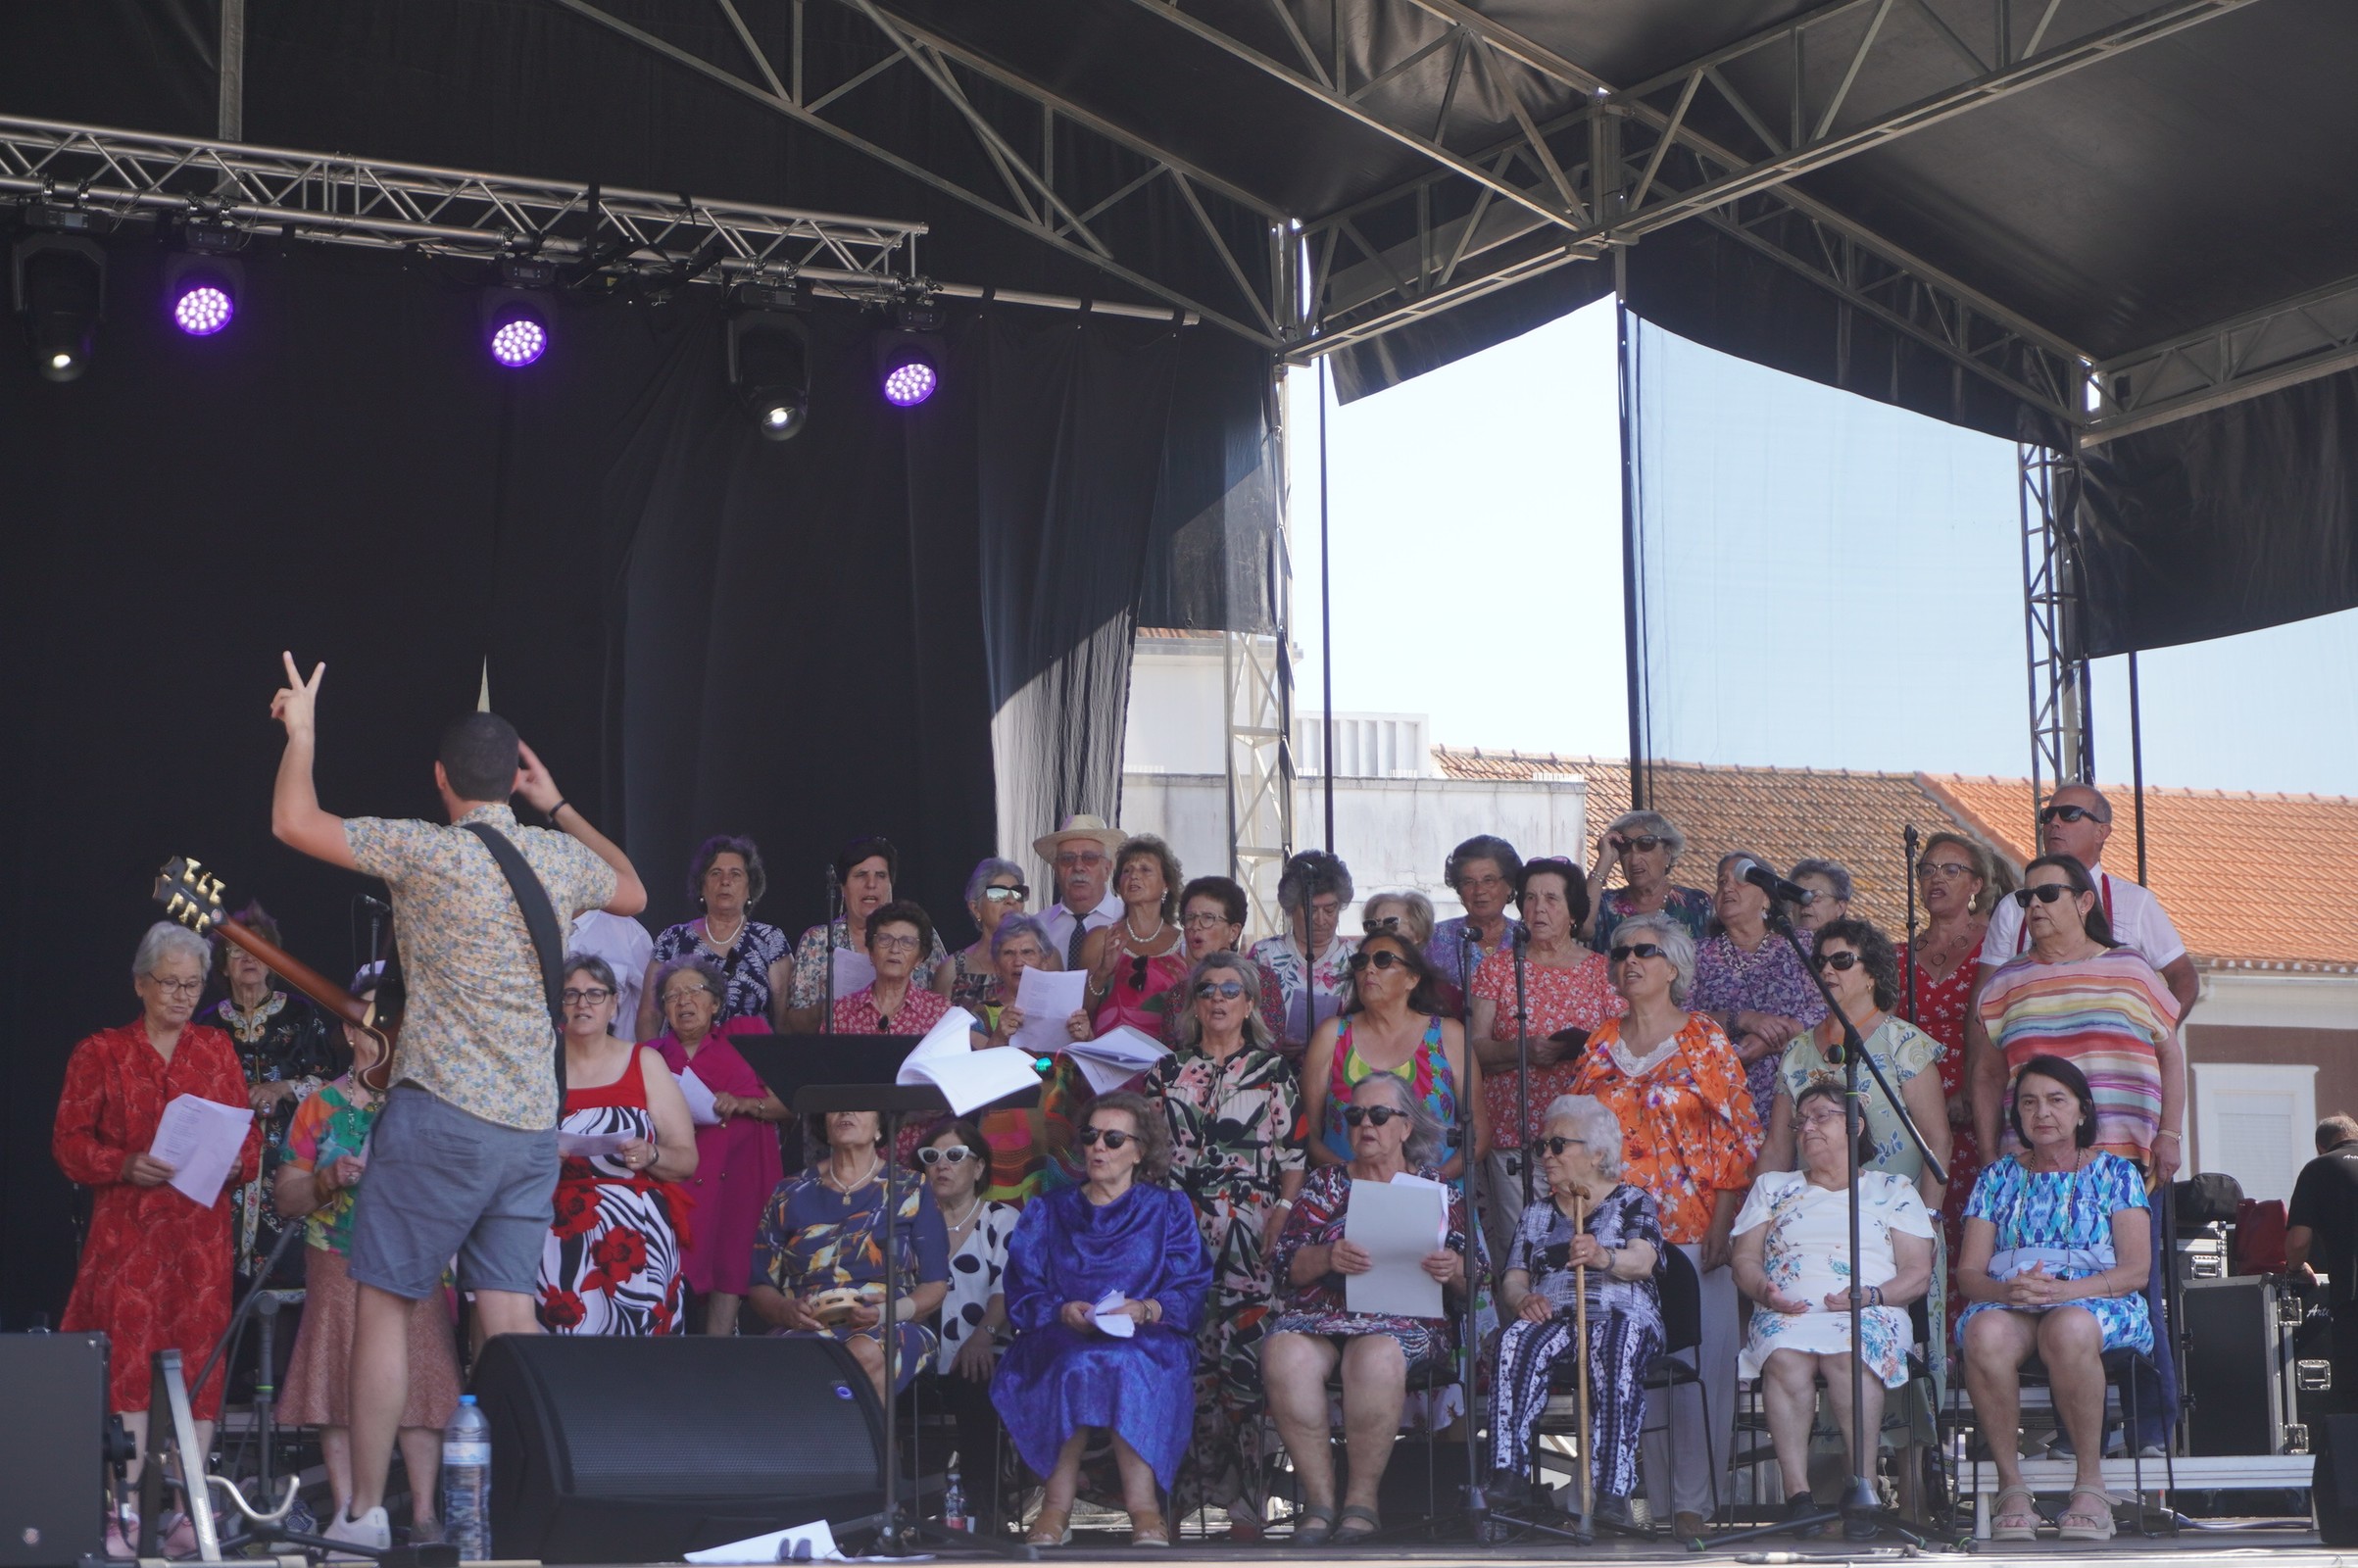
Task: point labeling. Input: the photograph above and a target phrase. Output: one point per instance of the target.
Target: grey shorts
(440, 1182)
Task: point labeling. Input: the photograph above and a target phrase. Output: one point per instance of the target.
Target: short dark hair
(1831, 1089)
(872, 848)
(1576, 883)
(1224, 889)
(2334, 1131)
(1483, 846)
(2098, 924)
(756, 880)
(1424, 997)
(1154, 1133)
(2064, 1073)
(1875, 950)
(1308, 875)
(903, 911)
(970, 1133)
(597, 968)
(479, 758)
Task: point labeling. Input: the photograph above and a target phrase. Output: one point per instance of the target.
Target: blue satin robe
(1053, 1382)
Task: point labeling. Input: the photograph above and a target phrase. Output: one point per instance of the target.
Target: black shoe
(1800, 1507)
(1613, 1511)
(1859, 1529)
(1511, 1488)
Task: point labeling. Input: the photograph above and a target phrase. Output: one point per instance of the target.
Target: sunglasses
(955, 1154)
(1111, 1137)
(2069, 813)
(1834, 961)
(1381, 922)
(1226, 990)
(1636, 950)
(1017, 894)
(2044, 893)
(1556, 1146)
(1358, 1115)
(1384, 958)
(1644, 844)
(1138, 971)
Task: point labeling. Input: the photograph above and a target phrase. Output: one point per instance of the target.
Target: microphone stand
(1520, 936)
(1858, 1505)
(1908, 837)
(827, 1017)
(1476, 1509)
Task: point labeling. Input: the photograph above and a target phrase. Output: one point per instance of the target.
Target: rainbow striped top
(2104, 1015)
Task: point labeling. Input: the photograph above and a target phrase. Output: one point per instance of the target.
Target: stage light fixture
(769, 359)
(516, 328)
(909, 375)
(58, 286)
(909, 359)
(200, 292)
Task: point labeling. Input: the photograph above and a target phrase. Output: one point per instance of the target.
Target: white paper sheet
(591, 1146)
(200, 1140)
(699, 1095)
(1048, 996)
(1116, 1056)
(967, 1077)
(853, 971)
(811, 1543)
(1112, 1318)
(1397, 1224)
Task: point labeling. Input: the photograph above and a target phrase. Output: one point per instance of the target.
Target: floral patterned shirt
(745, 965)
(1689, 1131)
(1317, 1220)
(478, 1035)
(810, 963)
(1311, 989)
(1771, 978)
(1447, 947)
(1556, 998)
(921, 1010)
(1690, 907)
(1901, 1051)
(334, 1122)
(1237, 1126)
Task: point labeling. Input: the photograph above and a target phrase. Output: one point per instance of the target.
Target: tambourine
(835, 1307)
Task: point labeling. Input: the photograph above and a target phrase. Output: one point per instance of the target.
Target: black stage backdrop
(699, 630)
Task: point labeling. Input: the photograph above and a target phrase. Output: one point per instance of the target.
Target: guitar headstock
(190, 895)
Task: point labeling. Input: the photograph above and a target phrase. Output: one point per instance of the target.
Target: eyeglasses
(2069, 813)
(1138, 971)
(1834, 961)
(1111, 1137)
(1382, 959)
(177, 988)
(1071, 860)
(1355, 1116)
(1226, 990)
(957, 1154)
(1380, 923)
(588, 997)
(1928, 869)
(894, 942)
(1205, 922)
(2044, 893)
(1636, 950)
(1644, 843)
(1823, 1118)
(1482, 884)
(1556, 1146)
(1015, 895)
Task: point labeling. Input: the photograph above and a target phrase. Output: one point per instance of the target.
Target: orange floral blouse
(1687, 1127)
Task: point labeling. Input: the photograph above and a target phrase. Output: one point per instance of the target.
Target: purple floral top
(1688, 907)
(1447, 947)
(1768, 979)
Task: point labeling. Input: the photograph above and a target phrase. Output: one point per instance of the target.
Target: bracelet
(561, 804)
(2166, 1133)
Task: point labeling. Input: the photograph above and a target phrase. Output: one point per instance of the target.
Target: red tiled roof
(2260, 880)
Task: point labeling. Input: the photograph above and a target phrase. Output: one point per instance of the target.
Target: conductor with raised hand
(463, 1158)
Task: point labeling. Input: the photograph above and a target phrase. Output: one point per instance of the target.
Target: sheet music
(1111, 1319)
(1395, 1222)
(853, 970)
(699, 1095)
(1048, 998)
(200, 1138)
(967, 1078)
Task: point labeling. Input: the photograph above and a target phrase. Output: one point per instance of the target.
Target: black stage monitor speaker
(53, 1439)
(644, 1449)
(2335, 1489)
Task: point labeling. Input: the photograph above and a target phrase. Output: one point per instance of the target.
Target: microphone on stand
(1779, 889)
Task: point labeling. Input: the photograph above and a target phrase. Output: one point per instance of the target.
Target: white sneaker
(370, 1529)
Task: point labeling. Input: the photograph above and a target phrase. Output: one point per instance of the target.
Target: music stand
(816, 1074)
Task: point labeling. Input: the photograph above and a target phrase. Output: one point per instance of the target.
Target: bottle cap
(466, 1399)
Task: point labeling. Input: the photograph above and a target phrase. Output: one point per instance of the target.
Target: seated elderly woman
(1120, 1244)
(2057, 1250)
(898, 1001)
(1392, 1134)
(1596, 1237)
(1794, 1260)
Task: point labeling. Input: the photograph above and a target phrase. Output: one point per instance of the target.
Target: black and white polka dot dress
(975, 1272)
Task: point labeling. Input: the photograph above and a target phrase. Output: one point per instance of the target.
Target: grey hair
(595, 967)
(1833, 872)
(1424, 1128)
(1420, 910)
(1031, 925)
(1676, 944)
(707, 972)
(984, 872)
(1247, 974)
(1652, 823)
(168, 939)
(1308, 874)
(1598, 1126)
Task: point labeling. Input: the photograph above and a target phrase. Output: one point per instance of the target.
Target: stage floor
(2284, 1549)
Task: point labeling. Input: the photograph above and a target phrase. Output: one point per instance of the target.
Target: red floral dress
(154, 1272)
(612, 1263)
(1577, 996)
(1941, 1014)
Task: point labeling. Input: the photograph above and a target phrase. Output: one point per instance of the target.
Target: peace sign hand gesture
(293, 705)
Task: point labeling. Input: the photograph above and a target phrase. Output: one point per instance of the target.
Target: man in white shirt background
(1080, 853)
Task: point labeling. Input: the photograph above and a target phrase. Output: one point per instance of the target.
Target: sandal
(1147, 1529)
(2022, 1524)
(2096, 1526)
(1355, 1514)
(1052, 1527)
(1313, 1527)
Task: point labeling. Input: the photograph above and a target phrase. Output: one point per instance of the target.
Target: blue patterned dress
(814, 1238)
(2062, 1220)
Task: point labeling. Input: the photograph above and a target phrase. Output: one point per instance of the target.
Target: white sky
(1851, 574)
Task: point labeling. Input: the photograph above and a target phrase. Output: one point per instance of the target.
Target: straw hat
(1083, 827)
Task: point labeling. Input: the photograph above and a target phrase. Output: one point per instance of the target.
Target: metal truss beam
(115, 175)
(1029, 188)
(2281, 345)
(2062, 745)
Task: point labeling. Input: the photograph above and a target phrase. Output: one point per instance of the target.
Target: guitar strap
(540, 919)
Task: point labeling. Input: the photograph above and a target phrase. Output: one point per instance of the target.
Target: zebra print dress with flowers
(611, 1261)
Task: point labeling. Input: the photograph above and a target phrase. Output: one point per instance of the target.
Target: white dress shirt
(627, 949)
(1063, 926)
(2137, 918)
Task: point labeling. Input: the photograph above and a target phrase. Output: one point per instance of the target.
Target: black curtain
(699, 629)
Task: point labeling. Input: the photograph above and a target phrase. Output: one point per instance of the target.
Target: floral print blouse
(1579, 997)
(1689, 1130)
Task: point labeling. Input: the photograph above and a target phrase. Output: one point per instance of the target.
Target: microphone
(1521, 935)
(1769, 882)
(375, 903)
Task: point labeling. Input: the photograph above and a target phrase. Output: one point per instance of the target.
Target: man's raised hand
(532, 780)
(293, 705)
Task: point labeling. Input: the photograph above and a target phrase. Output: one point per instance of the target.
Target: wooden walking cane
(1580, 1321)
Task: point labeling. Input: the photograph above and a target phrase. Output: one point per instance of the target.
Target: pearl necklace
(1127, 925)
(720, 942)
(875, 1161)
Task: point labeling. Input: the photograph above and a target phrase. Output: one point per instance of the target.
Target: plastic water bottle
(953, 1503)
(467, 1482)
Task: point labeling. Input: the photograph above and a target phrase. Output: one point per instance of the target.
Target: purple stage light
(202, 306)
(909, 380)
(518, 339)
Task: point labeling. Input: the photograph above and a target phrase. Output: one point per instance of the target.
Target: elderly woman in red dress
(154, 1272)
